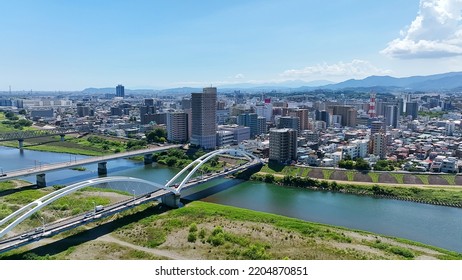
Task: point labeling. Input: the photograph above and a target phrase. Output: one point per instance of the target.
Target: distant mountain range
(446, 81)
(439, 82)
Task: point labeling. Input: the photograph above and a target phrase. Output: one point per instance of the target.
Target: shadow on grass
(276, 166)
(88, 235)
(15, 190)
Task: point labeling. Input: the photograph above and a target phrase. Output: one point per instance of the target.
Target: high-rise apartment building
(391, 116)
(302, 115)
(379, 145)
(177, 127)
(289, 122)
(261, 125)
(147, 111)
(283, 145)
(203, 107)
(120, 91)
(378, 127)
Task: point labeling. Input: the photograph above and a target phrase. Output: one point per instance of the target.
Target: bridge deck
(8, 175)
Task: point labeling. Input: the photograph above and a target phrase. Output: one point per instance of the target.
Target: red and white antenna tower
(372, 112)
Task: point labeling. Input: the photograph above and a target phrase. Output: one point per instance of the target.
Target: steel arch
(31, 208)
(200, 161)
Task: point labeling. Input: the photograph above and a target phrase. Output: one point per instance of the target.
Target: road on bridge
(69, 164)
(51, 229)
(68, 223)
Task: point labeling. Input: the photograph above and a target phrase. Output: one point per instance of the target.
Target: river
(430, 224)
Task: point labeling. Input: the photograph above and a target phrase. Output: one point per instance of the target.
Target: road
(8, 175)
(81, 219)
(75, 221)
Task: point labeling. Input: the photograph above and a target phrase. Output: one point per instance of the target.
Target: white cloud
(354, 69)
(239, 76)
(435, 32)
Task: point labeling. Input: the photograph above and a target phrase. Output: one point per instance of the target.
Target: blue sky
(71, 45)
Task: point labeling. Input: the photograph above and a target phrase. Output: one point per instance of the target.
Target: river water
(430, 224)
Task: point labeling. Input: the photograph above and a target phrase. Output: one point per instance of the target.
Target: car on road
(89, 214)
(39, 229)
(24, 236)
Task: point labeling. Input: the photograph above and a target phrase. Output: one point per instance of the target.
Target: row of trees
(116, 146)
(358, 164)
(13, 120)
(178, 158)
(307, 182)
(387, 165)
(361, 164)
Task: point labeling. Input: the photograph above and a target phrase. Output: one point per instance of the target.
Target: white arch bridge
(170, 193)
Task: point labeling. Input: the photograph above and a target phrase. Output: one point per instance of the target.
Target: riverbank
(87, 144)
(422, 194)
(434, 188)
(210, 231)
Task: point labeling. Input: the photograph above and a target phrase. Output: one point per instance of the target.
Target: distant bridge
(169, 193)
(102, 160)
(26, 134)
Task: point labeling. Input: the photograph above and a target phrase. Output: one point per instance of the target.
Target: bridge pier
(147, 159)
(41, 181)
(62, 137)
(171, 200)
(20, 144)
(102, 169)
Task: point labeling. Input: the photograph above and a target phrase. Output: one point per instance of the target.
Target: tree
(269, 178)
(384, 165)
(347, 164)
(361, 164)
(199, 153)
(158, 135)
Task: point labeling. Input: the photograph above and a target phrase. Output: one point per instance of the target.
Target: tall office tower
(120, 91)
(302, 115)
(324, 116)
(378, 126)
(149, 102)
(450, 128)
(400, 107)
(82, 110)
(289, 122)
(348, 114)
(221, 105)
(261, 126)
(412, 109)
(177, 127)
(185, 103)
(391, 115)
(265, 109)
(283, 145)
(379, 145)
(147, 112)
(203, 107)
(249, 120)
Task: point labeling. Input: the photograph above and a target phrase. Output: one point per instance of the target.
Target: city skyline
(49, 45)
